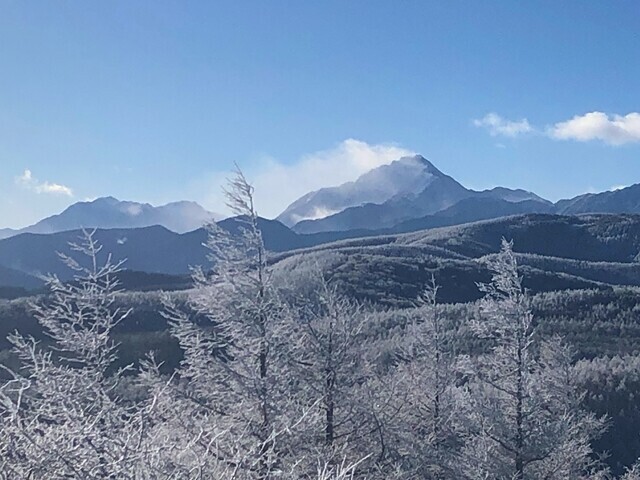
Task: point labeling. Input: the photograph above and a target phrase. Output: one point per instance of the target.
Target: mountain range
(408, 195)
(411, 193)
(109, 212)
(26, 257)
(557, 252)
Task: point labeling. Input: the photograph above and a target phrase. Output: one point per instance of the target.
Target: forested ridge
(327, 366)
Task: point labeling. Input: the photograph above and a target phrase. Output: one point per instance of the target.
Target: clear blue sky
(150, 101)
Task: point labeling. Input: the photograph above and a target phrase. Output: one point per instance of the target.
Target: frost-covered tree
(330, 367)
(233, 385)
(431, 401)
(525, 417)
(60, 413)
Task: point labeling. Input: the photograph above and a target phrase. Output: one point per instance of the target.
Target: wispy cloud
(28, 181)
(278, 184)
(499, 126)
(611, 129)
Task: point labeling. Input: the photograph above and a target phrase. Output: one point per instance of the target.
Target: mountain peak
(106, 201)
(420, 161)
(405, 176)
(406, 189)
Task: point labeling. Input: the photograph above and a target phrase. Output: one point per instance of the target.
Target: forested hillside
(442, 354)
(590, 239)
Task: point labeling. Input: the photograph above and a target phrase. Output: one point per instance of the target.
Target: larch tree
(525, 420)
(234, 381)
(330, 366)
(60, 413)
(431, 400)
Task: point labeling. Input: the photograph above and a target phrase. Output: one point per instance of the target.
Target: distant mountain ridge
(405, 195)
(156, 250)
(473, 209)
(153, 249)
(419, 189)
(408, 195)
(512, 195)
(555, 252)
(411, 194)
(623, 200)
(109, 212)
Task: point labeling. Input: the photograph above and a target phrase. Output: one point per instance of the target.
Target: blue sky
(154, 101)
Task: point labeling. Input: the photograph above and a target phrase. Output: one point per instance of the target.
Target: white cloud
(318, 212)
(613, 188)
(25, 179)
(134, 210)
(28, 181)
(277, 184)
(55, 188)
(611, 129)
(497, 125)
(614, 129)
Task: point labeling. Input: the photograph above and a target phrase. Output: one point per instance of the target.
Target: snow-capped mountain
(406, 176)
(407, 189)
(109, 212)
